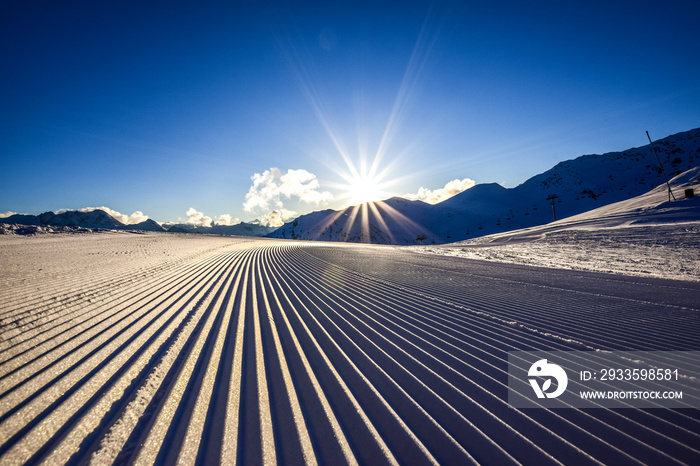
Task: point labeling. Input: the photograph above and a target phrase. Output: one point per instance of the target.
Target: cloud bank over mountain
(270, 188)
(435, 196)
(133, 219)
(226, 219)
(277, 217)
(198, 218)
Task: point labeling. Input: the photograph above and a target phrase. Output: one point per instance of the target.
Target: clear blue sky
(160, 106)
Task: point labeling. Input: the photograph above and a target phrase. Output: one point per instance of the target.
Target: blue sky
(160, 107)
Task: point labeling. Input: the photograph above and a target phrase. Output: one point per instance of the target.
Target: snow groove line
(593, 435)
(397, 308)
(80, 290)
(41, 433)
(304, 438)
(327, 363)
(355, 314)
(425, 289)
(54, 295)
(557, 288)
(35, 360)
(534, 311)
(590, 330)
(71, 443)
(18, 304)
(442, 310)
(394, 390)
(229, 446)
(112, 445)
(164, 422)
(685, 447)
(396, 318)
(114, 297)
(106, 277)
(338, 434)
(382, 293)
(267, 352)
(72, 356)
(586, 313)
(264, 410)
(376, 395)
(191, 445)
(334, 306)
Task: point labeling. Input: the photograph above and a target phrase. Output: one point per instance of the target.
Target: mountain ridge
(569, 188)
(100, 220)
(577, 185)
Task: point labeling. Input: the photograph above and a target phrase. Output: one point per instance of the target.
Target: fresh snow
(175, 348)
(646, 236)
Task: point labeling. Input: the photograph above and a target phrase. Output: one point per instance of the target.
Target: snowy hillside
(644, 236)
(580, 185)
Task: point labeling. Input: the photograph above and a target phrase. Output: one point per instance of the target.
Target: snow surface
(644, 236)
(179, 349)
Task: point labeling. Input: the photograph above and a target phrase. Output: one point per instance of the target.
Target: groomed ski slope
(164, 348)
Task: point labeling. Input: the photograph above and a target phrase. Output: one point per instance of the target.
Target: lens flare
(366, 170)
(363, 189)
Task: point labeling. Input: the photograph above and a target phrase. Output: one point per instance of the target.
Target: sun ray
(427, 38)
(380, 219)
(300, 69)
(366, 173)
(351, 219)
(404, 222)
(326, 222)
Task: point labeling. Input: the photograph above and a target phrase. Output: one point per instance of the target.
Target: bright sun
(364, 184)
(363, 189)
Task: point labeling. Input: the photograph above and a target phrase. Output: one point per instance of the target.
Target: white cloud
(198, 218)
(136, 217)
(435, 196)
(7, 214)
(226, 219)
(271, 186)
(277, 217)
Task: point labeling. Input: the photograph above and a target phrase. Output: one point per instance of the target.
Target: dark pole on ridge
(670, 193)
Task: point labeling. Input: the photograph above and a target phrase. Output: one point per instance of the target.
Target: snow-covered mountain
(645, 236)
(74, 218)
(576, 186)
(21, 219)
(70, 218)
(146, 225)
